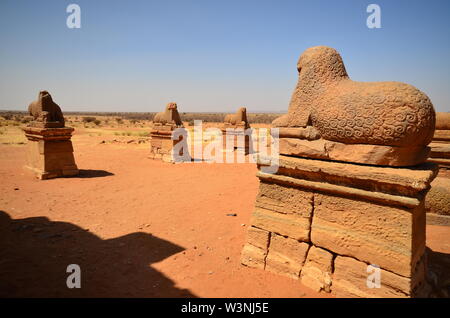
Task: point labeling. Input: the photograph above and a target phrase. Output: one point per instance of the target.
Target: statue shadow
(89, 173)
(438, 273)
(35, 253)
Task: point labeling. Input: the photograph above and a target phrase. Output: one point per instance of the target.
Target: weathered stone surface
(375, 215)
(391, 237)
(442, 121)
(440, 153)
(440, 150)
(359, 153)
(258, 237)
(308, 133)
(438, 198)
(255, 251)
(290, 225)
(50, 158)
(442, 136)
(438, 219)
(253, 256)
(286, 256)
(316, 272)
(350, 280)
(406, 182)
(284, 199)
(440, 147)
(442, 162)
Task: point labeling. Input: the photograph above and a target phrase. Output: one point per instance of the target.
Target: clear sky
(210, 56)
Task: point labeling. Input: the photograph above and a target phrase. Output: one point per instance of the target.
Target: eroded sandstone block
(374, 233)
(284, 224)
(350, 279)
(283, 210)
(440, 147)
(374, 215)
(286, 256)
(318, 268)
(437, 203)
(255, 251)
(253, 256)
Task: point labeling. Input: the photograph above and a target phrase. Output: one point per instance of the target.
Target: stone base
(355, 153)
(161, 143)
(240, 140)
(159, 156)
(438, 199)
(441, 135)
(440, 153)
(438, 219)
(325, 222)
(50, 152)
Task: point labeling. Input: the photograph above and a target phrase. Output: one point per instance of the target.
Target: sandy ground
(137, 227)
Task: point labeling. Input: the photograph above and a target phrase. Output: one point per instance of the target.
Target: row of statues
(350, 189)
(47, 114)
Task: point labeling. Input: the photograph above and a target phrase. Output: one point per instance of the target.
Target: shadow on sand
(35, 253)
(88, 173)
(439, 268)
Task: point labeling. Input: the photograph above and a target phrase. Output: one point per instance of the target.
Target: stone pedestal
(236, 134)
(303, 142)
(161, 143)
(440, 149)
(325, 222)
(50, 152)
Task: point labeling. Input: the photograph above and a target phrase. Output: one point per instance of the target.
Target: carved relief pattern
(382, 113)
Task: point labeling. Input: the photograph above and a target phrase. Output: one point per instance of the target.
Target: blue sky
(210, 55)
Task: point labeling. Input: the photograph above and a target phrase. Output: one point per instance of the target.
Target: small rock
(231, 214)
(15, 189)
(210, 272)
